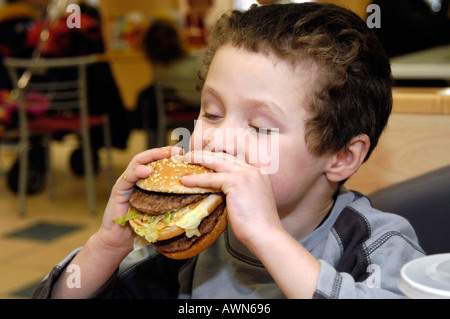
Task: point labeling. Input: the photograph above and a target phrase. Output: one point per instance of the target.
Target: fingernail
(187, 156)
(183, 179)
(178, 150)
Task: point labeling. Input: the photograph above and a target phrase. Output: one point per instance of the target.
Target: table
(429, 64)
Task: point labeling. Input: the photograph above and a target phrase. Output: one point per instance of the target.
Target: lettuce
(150, 232)
(132, 214)
(183, 218)
(167, 218)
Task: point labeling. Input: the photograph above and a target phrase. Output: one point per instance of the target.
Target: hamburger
(179, 221)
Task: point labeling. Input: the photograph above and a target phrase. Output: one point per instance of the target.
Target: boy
(314, 78)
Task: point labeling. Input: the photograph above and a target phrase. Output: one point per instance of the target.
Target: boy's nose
(221, 141)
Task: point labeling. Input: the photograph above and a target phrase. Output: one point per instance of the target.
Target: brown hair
(162, 42)
(353, 95)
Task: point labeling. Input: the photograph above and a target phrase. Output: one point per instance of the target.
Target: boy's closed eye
(210, 116)
(263, 130)
(257, 128)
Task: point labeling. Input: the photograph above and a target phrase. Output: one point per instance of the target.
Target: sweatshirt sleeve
(340, 285)
(44, 289)
(364, 252)
(384, 259)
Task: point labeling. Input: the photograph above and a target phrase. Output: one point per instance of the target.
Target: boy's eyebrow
(209, 90)
(268, 106)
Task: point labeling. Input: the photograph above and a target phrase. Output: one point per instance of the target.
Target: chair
(63, 83)
(425, 202)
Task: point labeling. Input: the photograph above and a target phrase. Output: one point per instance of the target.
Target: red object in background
(36, 104)
(64, 41)
(195, 30)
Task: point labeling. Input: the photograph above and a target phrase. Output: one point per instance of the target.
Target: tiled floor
(32, 244)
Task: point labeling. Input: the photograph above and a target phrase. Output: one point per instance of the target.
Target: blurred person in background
(16, 17)
(20, 36)
(168, 52)
(103, 93)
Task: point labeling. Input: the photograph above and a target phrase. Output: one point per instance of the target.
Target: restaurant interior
(55, 213)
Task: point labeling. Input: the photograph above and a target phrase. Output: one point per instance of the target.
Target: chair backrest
(57, 84)
(425, 202)
(62, 84)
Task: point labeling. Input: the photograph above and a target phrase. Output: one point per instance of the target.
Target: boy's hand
(106, 249)
(253, 216)
(251, 207)
(112, 234)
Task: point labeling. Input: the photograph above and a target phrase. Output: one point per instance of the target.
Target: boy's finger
(208, 180)
(138, 169)
(156, 154)
(141, 171)
(219, 162)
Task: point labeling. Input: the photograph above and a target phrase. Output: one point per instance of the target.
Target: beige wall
(416, 141)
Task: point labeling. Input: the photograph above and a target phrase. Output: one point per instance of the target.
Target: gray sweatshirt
(361, 251)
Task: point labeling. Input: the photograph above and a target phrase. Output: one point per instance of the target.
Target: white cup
(426, 278)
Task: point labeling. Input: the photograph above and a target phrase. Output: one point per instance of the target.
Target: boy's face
(254, 108)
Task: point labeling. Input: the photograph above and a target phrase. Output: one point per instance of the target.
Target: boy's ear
(346, 162)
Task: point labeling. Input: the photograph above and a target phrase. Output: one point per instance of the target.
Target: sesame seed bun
(166, 177)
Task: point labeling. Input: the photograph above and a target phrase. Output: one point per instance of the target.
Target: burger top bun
(166, 177)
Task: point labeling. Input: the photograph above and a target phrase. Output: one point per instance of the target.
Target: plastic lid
(427, 277)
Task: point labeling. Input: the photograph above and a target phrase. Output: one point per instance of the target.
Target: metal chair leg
(86, 141)
(24, 146)
(23, 170)
(89, 174)
(48, 168)
(108, 147)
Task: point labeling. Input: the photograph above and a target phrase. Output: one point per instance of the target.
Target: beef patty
(182, 242)
(153, 203)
